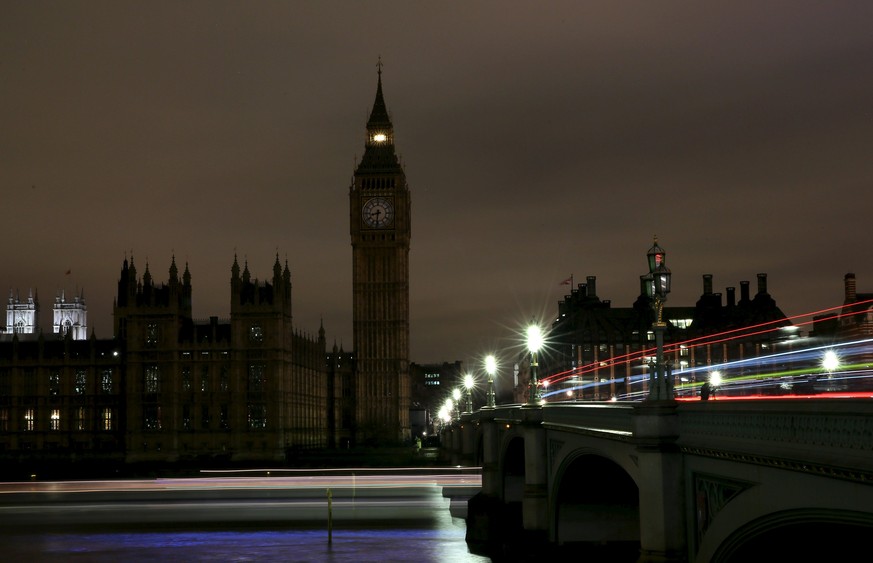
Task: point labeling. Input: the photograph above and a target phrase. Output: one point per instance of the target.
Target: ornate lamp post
(456, 395)
(657, 283)
(468, 384)
(534, 343)
(491, 369)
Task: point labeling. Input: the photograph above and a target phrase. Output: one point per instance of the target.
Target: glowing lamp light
(456, 394)
(468, 381)
(715, 378)
(534, 338)
(491, 369)
(490, 365)
(380, 137)
(830, 362)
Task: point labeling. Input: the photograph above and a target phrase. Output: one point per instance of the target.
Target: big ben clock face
(378, 213)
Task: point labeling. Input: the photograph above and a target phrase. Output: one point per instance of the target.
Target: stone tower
(379, 204)
(22, 317)
(70, 316)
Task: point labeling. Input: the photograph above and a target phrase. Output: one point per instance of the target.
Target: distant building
(594, 349)
(70, 316)
(22, 317)
(431, 385)
(170, 388)
(380, 228)
(854, 321)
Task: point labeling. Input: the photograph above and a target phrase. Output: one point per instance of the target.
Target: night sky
(539, 140)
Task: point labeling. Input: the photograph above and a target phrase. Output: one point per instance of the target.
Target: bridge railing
(614, 419)
(830, 436)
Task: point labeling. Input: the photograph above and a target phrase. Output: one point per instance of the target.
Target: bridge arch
(799, 535)
(512, 470)
(596, 506)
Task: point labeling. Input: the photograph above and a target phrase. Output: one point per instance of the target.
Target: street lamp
(657, 284)
(534, 343)
(491, 369)
(456, 395)
(830, 362)
(468, 384)
(448, 407)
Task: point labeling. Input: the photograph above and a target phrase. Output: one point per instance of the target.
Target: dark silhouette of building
(431, 385)
(167, 387)
(597, 349)
(380, 227)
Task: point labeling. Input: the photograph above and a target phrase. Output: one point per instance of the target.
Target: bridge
(712, 481)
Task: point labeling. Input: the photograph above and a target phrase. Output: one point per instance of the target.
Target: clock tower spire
(379, 204)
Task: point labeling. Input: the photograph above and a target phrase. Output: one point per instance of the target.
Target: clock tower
(379, 205)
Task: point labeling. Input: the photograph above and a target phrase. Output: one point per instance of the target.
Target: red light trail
(709, 339)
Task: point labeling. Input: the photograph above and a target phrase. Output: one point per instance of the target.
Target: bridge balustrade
(709, 481)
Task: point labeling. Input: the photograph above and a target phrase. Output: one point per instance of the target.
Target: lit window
(152, 335)
(29, 420)
(81, 382)
(257, 378)
(151, 417)
(55, 421)
(152, 383)
(106, 381)
(107, 419)
(257, 417)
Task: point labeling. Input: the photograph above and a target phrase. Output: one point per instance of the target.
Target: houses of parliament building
(166, 388)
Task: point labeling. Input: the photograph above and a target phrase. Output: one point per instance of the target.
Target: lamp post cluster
(657, 284)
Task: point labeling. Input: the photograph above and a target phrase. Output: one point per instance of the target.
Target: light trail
(717, 338)
(810, 370)
(383, 481)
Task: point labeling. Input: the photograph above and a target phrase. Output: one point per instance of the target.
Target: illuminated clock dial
(378, 213)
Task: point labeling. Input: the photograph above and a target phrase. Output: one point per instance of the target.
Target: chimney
(592, 287)
(707, 284)
(731, 296)
(851, 295)
(744, 291)
(762, 284)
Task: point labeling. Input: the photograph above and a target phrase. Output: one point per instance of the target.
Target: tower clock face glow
(378, 213)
